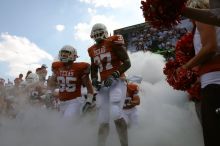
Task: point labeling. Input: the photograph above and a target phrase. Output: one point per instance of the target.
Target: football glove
(108, 82)
(88, 103)
(116, 74)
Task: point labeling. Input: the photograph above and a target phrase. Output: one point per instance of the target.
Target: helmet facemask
(99, 32)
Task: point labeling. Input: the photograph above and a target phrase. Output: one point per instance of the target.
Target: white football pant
(131, 117)
(71, 108)
(110, 100)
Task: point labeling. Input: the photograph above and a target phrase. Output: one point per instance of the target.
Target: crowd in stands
(151, 39)
(146, 38)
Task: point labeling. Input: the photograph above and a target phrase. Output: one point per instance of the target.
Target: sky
(32, 32)
(166, 117)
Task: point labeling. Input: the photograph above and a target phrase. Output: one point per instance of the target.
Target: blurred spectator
(2, 82)
(42, 73)
(27, 74)
(18, 80)
(2, 95)
(2, 88)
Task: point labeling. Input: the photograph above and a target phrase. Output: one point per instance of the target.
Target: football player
(110, 60)
(69, 76)
(131, 101)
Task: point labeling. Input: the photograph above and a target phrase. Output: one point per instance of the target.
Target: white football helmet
(67, 54)
(32, 78)
(99, 32)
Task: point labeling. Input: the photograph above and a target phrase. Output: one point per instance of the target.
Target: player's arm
(94, 74)
(94, 70)
(87, 82)
(120, 51)
(202, 15)
(90, 93)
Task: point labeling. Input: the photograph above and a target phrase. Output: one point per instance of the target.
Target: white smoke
(166, 117)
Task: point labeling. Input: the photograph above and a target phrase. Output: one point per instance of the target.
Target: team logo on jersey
(66, 73)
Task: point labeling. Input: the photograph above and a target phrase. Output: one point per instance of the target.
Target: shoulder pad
(90, 50)
(56, 65)
(84, 67)
(116, 39)
(84, 64)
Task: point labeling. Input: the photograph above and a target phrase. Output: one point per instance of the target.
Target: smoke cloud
(166, 117)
